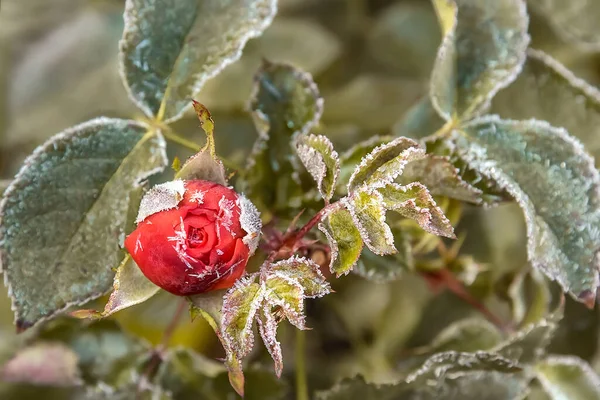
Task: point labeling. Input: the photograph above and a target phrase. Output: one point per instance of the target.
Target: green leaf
(321, 161)
(171, 48)
(385, 163)
(441, 178)
(344, 240)
(240, 305)
(30, 365)
(287, 294)
(414, 201)
(448, 376)
(205, 164)
(353, 156)
(575, 21)
(467, 335)
(305, 272)
(529, 297)
(567, 377)
(130, 287)
(285, 104)
(555, 183)
(482, 51)
(71, 198)
(548, 91)
(529, 344)
(368, 213)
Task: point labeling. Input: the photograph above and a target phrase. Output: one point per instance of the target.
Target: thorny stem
(301, 385)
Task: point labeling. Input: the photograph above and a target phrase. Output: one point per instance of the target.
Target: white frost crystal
(250, 222)
(160, 198)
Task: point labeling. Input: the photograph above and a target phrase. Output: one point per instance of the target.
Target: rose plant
(390, 253)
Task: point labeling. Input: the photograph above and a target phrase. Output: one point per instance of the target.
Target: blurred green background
(371, 60)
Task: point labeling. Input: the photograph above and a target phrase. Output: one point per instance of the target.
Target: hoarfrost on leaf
(77, 187)
(321, 160)
(344, 240)
(250, 222)
(555, 182)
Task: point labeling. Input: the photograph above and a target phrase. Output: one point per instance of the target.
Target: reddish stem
(455, 286)
(314, 220)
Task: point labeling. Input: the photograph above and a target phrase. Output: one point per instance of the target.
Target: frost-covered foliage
(414, 184)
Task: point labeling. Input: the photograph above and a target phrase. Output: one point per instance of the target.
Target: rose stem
(301, 385)
(457, 287)
(314, 220)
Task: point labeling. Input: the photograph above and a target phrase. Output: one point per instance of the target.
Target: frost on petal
(286, 293)
(321, 161)
(306, 272)
(414, 201)
(267, 326)
(161, 197)
(226, 214)
(385, 163)
(240, 305)
(368, 214)
(250, 222)
(344, 240)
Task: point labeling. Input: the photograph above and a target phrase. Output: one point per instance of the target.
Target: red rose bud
(194, 236)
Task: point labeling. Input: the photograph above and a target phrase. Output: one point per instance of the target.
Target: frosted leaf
(344, 240)
(482, 51)
(73, 195)
(529, 344)
(548, 91)
(285, 104)
(250, 222)
(203, 166)
(385, 163)
(414, 201)
(448, 376)
(568, 377)
(468, 335)
(555, 182)
(321, 160)
(441, 178)
(285, 292)
(171, 48)
(576, 21)
(306, 272)
(130, 287)
(368, 214)
(353, 156)
(165, 196)
(240, 305)
(267, 326)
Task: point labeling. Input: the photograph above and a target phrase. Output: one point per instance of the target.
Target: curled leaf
(321, 160)
(368, 213)
(344, 240)
(306, 272)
